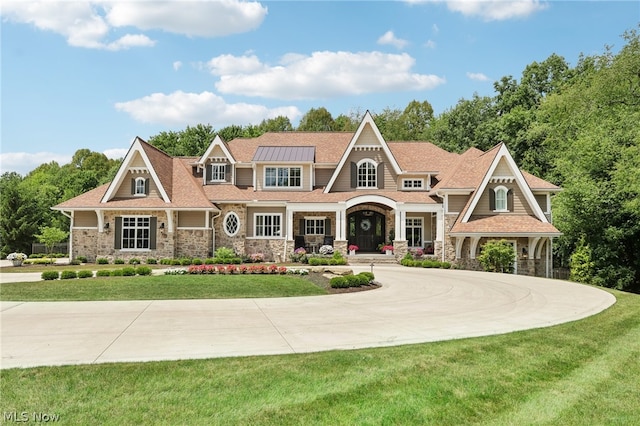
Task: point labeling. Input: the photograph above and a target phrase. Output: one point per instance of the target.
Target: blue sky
(95, 74)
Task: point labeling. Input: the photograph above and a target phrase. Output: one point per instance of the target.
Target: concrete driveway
(414, 305)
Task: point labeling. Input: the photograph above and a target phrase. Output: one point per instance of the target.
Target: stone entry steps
(368, 258)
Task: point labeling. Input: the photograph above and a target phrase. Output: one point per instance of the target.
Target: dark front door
(366, 230)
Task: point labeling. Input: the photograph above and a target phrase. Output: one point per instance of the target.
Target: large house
(280, 191)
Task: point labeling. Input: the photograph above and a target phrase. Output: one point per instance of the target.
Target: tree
(316, 120)
(50, 236)
(17, 221)
(193, 141)
(416, 119)
(497, 256)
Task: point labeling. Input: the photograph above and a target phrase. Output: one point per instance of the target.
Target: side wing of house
(502, 205)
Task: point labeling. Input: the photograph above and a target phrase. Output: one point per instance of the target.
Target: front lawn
(163, 287)
(581, 373)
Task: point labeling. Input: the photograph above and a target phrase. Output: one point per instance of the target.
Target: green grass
(579, 373)
(162, 287)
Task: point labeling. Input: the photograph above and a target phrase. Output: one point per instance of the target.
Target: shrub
(369, 275)
(103, 273)
(50, 275)
(353, 280)
(185, 261)
(196, 261)
(68, 275)
(85, 274)
(175, 262)
(116, 272)
(119, 261)
(102, 261)
(166, 261)
(82, 259)
(224, 253)
(315, 261)
(134, 261)
(209, 261)
(75, 262)
(497, 256)
(128, 271)
(143, 270)
(151, 261)
(338, 282)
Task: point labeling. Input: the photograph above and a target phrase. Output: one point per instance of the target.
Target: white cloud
(477, 76)
(24, 162)
(203, 18)
(88, 23)
(320, 76)
(435, 29)
(430, 44)
(491, 10)
(390, 38)
(180, 108)
(177, 65)
(115, 153)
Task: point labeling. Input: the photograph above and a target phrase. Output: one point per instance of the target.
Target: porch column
(341, 223)
(440, 225)
(289, 214)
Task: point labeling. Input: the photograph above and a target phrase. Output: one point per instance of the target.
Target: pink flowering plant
(353, 247)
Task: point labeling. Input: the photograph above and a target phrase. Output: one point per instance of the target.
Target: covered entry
(367, 230)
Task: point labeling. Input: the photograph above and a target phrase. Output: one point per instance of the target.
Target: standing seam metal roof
(285, 153)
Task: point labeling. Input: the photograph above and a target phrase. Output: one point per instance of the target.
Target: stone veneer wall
(193, 243)
(237, 242)
(94, 244)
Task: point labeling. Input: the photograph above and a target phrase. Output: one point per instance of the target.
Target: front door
(366, 230)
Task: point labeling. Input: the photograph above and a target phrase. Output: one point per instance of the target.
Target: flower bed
(235, 269)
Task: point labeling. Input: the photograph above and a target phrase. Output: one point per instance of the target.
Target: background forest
(578, 127)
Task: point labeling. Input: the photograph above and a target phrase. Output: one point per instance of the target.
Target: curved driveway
(414, 305)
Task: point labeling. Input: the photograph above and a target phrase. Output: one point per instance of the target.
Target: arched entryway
(366, 229)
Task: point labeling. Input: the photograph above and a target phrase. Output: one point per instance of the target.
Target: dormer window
(140, 187)
(216, 172)
(367, 174)
(501, 199)
(282, 177)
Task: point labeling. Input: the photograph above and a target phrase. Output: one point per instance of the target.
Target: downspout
(213, 232)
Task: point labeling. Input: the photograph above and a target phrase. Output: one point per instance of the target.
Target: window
(412, 183)
(314, 226)
(414, 231)
(231, 224)
(140, 186)
(267, 225)
(367, 174)
(501, 199)
(136, 232)
(285, 177)
(217, 172)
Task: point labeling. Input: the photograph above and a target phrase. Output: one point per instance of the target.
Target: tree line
(577, 127)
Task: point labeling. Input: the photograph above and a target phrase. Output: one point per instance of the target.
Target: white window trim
(144, 187)
(276, 186)
(224, 224)
(421, 219)
(267, 237)
(135, 249)
(224, 168)
(506, 203)
(315, 219)
(413, 180)
(375, 171)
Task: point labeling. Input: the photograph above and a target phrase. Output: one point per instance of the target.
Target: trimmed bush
(116, 273)
(75, 262)
(129, 271)
(50, 275)
(68, 275)
(151, 261)
(119, 261)
(102, 261)
(143, 270)
(368, 275)
(82, 259)
(338, 282)
(134, 261)
(353, 280)
(103, 273)
(85, 274)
